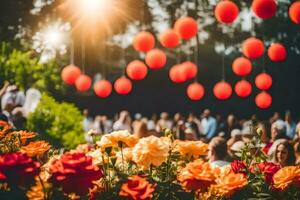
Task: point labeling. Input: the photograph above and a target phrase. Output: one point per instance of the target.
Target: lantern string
(72, 51)
(263, 58)
(197, 40)
(83, 53)
(223, 64)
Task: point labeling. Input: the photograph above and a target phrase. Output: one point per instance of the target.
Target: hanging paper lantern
(253, 48)
(123, 86)
(169, 39)
(263, 100)
(83, 83)
(156, 59)
(264, 9)
(242, 66)
(195, 91)
(277, 52)
(136, 70)
(177, 74)
(70, 74)
(190, 68)
(103, 88)
(243, 88)
(144, 41)
(294, 12)
(226, 12)
(222, 90)
(186, 27)
(263, 81)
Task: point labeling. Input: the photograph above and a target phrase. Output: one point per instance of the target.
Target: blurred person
(278, 134)
(297, 131)
(235, 150)
(193, 127)
(180, 130)
(220, 122)
(163, 122)
(137, 118)
(217, 152)
(290, 125)
(87, 121)
(265, 126)
(177, 118)
(275, 117)
(208, 124)
(3, 117)
(123, 123)
(4, 88)
(235, 135)
(284, 154)
(151, 123)
(140, 130)
(194, 122)
(102, 125)
(297, 152)
(229, 125)
(13, 96)
(18, 119)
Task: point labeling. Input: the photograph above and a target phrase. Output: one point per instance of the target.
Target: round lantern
(123, 86)
(195, 91)
(190, 68)
(242, 66)
(294, 12)
(144, 41)
(136, 70)
(226, 12)
(186, 27)
(253, 48)
(83, 83)
(263, 100)
(156, 59)
(222, 90)
(263, 81)
(70, 74)
(277, 52)
(264, 9)
(243, 88)
(177, 74)
(169, 39)
(103, 88)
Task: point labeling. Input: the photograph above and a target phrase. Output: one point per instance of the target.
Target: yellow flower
(286, 176)
(193, 148)
(150, 151)
(228, 182)
(197, 176)
(112, 139)
(36, 148)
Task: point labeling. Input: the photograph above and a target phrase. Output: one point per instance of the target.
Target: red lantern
(190, 68)
(263, 100)
(83, 83)
(144, 41)
(103, 88)
(253, 48)
(70, 74)
(186, 27)
(177, 74)
(242, 66)
(195, 91)
(243, 88)
(123, 86)
(263, 81)
(277, 52)
(294, 12)
(136, 70)
(156, 59)
(226, 12)
(264, 9)
(169, 39)
(222, 90)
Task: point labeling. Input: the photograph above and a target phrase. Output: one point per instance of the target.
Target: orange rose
(4, 128)
(24, 135)
(113, 139)
(228, 182)
(196, 176)
(150, 151)
(137, 188)
(36, 148)
(193, 148)
(286, 176)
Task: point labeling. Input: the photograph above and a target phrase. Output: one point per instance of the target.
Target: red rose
(268, 169)
(238, 166)
(74, 172)
(137, 188)
(18, 169)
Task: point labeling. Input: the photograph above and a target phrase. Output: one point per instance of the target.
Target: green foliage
(23, 69)
(59, 123)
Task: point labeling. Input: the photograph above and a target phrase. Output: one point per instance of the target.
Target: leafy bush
(59, 123)
(24, 69)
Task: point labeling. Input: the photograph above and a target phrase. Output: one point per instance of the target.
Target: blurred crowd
(280, 136)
